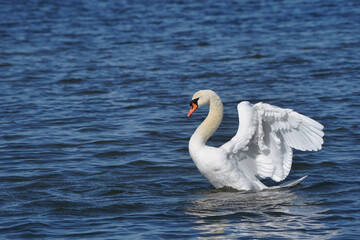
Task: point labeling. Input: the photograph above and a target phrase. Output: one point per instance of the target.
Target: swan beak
(193, 107)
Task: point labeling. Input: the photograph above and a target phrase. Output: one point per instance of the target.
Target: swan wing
(265, 138)
(246, 130)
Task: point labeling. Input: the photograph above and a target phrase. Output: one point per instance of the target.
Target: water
(94, 134)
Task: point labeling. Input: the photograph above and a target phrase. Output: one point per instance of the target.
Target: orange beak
(193, 107)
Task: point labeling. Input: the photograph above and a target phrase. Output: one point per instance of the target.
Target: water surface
(94, 134)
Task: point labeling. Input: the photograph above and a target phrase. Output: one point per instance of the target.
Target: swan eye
(193, 106)
(194, 101)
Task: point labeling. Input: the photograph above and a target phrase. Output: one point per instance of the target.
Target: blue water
(94, 134)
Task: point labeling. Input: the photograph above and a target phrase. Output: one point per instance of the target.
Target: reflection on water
(274, 213)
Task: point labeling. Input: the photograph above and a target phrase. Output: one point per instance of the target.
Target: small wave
(112, 192)
(323, 186)
(71, 81)
(142, 163)
(112, 154)
(24, 229)
(91, 92)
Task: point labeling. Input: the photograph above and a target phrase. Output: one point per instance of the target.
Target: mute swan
(261, 148)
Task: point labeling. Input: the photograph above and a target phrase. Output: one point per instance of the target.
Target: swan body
(261, 148)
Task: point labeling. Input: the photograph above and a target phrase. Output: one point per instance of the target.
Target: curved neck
(211, 122)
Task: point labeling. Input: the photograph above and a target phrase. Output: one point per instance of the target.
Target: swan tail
(289, 184)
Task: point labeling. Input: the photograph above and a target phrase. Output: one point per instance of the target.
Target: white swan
(262, 146)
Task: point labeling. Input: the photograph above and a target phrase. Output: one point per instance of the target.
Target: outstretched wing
(265, 138)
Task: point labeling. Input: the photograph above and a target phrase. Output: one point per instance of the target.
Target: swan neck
(211, 122)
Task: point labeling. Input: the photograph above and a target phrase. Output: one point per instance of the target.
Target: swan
(261, 148)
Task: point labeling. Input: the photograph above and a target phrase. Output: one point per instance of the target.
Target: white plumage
(261, 148)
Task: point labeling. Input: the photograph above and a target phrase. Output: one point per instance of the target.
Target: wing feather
(266, 136)
(246, 129)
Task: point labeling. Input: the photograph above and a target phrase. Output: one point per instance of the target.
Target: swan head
(199, 99)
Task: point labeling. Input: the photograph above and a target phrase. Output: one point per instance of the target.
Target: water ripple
(94, 136)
